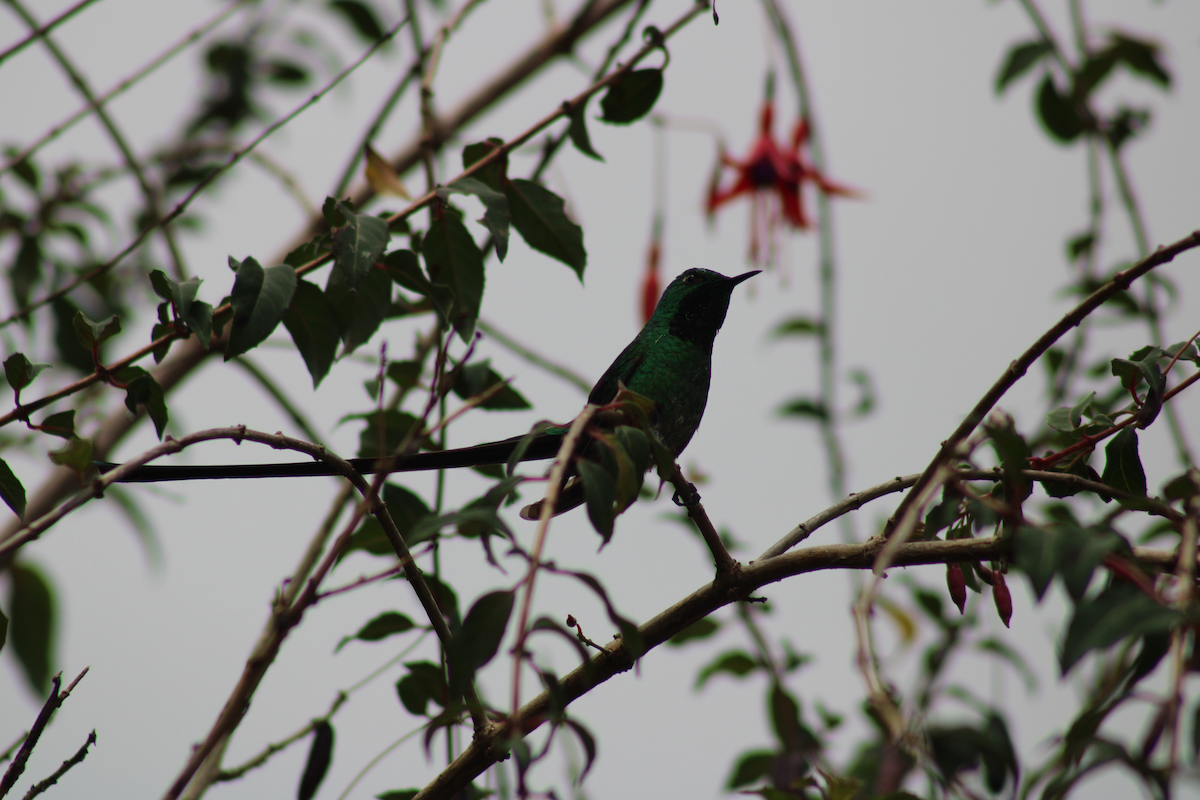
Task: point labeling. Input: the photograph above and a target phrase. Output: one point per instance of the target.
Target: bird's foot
(691, 499)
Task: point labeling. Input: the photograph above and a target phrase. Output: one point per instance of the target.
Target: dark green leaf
(579, 133)
(1081, 245)
(404, 507)
(539, 215)
(392, 427)
(1021, 57)
(311, 250)
(589, 746)
(804, 407)
(3, 629)
(493, 174)
(259, 298)
(142, 389)
(361, 17)
(32, 624)
(1120, 611)
(359, 313)
(793, 735)
(749, 768)
(311, 321)
(160, 330)
(1122, 465)
(1058, 112)
(1141, 58)
(600, 490)
(496, 217)
(20, 371)
(26, 270)
(733, 662)
(1039, 555)
(93, 334)
(285, 72)
(403, 267)
(180, 295)
(386, 624)
(476, 644)
(331, 210)
(320, 754)
(424, 682)
(798, 326)
(473, 379)
(76, 454)
(700, 629)
(405, 374)
(11, 490)
(1094, 71)
(632, 97)
(453, 259)
(358, 245)
(59, 425)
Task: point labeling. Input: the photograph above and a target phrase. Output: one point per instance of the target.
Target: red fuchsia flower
(651, 287)
(769, 170)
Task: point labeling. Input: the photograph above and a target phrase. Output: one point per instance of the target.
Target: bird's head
(694, 305)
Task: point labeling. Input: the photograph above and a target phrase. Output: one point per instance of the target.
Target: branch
(51, 705)
(79, 756)
(1118, 283)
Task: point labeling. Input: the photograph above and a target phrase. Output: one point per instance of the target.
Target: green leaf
(1122, 465)
(142, 389)
(32, 624)
(539, 215)
(496, 217)
(424, 682)
(26, 270)
(259, 298)
(1120, 611)
(393, 426)
(478, 640)
(804, 407)
(749, 768)
(453, 259)
(798, 326)
(493, 174)
(406, 510)
(358, 245)
(733, 662)
(389, 623)
(331, 210)
(632, 97)
(180, 295)
(361, 17)
(93, 334)
(359, 313)
(1021, 57)
(1057, 112)
(20, 371)
(404, 268)
(405, 374)
(311, 250)
(1141, 58)
(600, 491)
(1038, 556)
(700, 629)
(589, 745)
(473, 379)
(320, 754)
(11, 490)
(160, 330)
(76, 454)
(311, 321)
(579, 133)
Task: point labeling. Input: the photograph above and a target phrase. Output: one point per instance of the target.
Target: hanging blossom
(772, 170)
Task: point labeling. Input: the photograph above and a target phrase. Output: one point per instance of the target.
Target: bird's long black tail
(542, 446)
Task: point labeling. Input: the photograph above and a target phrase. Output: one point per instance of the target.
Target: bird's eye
(691, 278)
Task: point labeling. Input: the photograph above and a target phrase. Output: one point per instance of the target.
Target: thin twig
(44, 29)
(80, 754)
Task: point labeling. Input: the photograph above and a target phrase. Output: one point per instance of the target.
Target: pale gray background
(948, 270)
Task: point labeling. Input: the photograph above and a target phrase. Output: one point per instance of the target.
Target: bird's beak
(734, 281)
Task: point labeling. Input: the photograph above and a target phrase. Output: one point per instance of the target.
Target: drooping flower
(651, 285)
(771, 170)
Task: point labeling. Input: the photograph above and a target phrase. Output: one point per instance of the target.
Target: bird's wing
(622, 370)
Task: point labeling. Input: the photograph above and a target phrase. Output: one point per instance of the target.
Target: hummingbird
(669, 363)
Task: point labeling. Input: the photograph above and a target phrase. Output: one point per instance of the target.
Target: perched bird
(670, 363)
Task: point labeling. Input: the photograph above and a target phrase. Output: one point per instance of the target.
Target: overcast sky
(949, 268)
